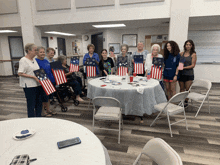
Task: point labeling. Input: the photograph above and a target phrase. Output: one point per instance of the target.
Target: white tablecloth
(132, 101)
(43, 144)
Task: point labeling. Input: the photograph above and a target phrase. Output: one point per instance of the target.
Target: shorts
(184, 78)
(167, 80)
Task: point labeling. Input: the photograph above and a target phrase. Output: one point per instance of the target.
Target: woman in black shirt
(106, 64)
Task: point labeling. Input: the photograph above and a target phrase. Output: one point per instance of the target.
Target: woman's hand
(175, 78)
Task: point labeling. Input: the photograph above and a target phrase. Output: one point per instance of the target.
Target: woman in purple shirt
(91, 54)
(171, 62)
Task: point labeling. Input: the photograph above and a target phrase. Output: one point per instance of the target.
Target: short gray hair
(124, 45)
(61, 58)
(40, 47)
(155, 45)
(142, 42)
(29, 46)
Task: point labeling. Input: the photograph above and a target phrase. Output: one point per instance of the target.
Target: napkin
(140, 90)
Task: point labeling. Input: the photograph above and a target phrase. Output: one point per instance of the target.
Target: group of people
(36, 59)
(36, 98)
(171, 70)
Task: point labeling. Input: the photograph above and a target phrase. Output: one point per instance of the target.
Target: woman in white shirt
(155, 49)
(30, 82)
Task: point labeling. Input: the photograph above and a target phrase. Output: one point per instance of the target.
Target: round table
(43, 144)
(133, 101)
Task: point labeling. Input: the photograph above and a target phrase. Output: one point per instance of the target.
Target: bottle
(148, 74)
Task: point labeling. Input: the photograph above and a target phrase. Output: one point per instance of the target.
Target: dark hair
(192, 50)
(101, 55)
(174, 49)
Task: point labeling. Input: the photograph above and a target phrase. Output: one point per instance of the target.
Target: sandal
(52, 112)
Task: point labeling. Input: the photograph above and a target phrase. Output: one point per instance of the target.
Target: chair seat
(195, 96)
(172, 108)
(108, 113)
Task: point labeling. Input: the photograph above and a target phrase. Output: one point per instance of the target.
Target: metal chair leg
(156, 118)
(208, 103)
(119, 131)
(168, 118)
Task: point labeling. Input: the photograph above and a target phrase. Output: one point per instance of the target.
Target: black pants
(34, 102)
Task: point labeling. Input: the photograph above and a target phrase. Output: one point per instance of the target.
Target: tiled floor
(199, 145)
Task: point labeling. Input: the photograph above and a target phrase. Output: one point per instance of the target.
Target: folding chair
(171, 109)
(197, 96)
(109, 110)
(160, 152)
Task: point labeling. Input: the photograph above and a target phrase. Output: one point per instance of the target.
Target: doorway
(97, 41)
(61, 46)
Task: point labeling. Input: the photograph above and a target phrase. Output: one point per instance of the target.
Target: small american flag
(90, 67)
(44, 81)
(138, 64)
(157, 68)
(122, 66)
(58, 72)
(74, 64)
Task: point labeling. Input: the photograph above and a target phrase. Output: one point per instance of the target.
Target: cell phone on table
(68, 142)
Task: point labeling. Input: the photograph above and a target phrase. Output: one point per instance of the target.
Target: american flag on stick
(122, 66)
(138, 64)
(157, 68)
(58, 72)
(90, 67)
(44, 81)
(74, 64)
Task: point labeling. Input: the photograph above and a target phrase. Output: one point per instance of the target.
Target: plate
(116, 83)
(24, 134)
(107, 81)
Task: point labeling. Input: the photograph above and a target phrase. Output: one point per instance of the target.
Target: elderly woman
(171, 63)
(30, 82)
(186, 76)
(124, 50)
(44, 64)
(74, 81)
(155, 49)
(50, 55)
(140, 51)
(91, 54)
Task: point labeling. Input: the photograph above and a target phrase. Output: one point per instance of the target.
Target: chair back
(106, 101)
(161, 152)
(202, 83)
(179, 97)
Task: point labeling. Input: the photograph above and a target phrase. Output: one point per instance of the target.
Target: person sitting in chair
(74, 81)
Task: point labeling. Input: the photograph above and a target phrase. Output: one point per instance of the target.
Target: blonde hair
(29, 47)
(155, 45)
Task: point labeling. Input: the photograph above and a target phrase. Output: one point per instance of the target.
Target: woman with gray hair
(155, 49)
(29, 82)
(123, 55)
(74, 81)
(45, 64)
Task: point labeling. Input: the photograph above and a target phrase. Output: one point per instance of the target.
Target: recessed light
(60, 33)
(109, 25)
(7, 31)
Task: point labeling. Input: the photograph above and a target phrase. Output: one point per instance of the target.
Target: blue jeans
(34, 102)
(76, 87)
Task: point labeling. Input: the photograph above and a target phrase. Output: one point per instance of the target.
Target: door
(16, 51)
(97, 41)
(61, 46)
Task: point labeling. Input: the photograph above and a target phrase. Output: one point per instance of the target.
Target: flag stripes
(74, 67)
(91, 71)
(59, 76)
(47, 86)
(139, 68)
(122, 71)
(156, 72)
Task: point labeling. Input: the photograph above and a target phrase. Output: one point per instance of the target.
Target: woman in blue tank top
(171, 63)
(186, 74)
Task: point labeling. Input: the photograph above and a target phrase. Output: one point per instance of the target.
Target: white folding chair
(160, 152)
(170, 108)
(109, 110)
(193, 96)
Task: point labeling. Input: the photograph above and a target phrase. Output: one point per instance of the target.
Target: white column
(179, 23)
(30, 33)
(5, 66)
